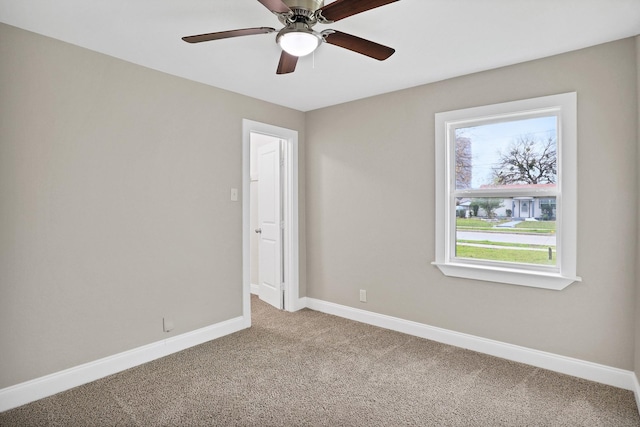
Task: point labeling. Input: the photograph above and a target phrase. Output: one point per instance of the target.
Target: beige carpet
(312, 369)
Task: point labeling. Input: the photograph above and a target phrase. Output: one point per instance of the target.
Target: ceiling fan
(298, 38)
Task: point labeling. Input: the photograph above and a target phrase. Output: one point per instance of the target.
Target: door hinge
(282, 224)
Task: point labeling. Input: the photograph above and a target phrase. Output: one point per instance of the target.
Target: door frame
(291, 254)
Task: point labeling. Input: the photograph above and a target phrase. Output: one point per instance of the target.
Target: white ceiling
(434, 40)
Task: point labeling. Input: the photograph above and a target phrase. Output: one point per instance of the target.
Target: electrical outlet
(167, 324)
(363, 295)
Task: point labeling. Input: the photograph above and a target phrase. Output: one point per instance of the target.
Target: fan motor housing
(311, 5)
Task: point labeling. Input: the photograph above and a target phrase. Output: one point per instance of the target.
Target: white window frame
(564, 272)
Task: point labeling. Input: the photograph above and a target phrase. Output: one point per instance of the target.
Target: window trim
(564, 272)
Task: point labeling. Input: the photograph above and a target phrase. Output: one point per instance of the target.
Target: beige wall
(370, 209)
(637, 336)
(115, 207)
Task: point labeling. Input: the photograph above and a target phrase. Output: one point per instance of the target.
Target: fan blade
(341, 9)
(287, 63)
(356, 44)
(227, 34)
(275, 6)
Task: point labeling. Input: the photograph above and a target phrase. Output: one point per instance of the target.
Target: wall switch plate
(234, 194)
(167, 324)
(363, 295)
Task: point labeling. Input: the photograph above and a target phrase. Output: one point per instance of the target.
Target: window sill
(533, 279)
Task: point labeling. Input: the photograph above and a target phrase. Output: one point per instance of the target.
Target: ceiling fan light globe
(298, 43)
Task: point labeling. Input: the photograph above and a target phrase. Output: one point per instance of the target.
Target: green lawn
(502, 251)
(503, 244)
(471, 224)
(543, 226)
(500, 254)
(476, 223)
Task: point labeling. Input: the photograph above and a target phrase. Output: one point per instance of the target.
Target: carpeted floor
(312, 369)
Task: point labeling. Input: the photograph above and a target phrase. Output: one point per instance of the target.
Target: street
(535, 239)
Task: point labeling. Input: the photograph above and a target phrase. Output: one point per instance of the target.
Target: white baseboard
(39, 388)
(578, 368)
(21, 394)
(300, 304)
(636, 389)
(255, 289)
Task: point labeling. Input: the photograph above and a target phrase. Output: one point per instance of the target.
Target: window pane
(515, 229)
(507, 154)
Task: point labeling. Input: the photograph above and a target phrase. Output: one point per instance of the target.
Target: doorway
(260, 141)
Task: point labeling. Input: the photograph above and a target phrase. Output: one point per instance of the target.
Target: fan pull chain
(314, 60)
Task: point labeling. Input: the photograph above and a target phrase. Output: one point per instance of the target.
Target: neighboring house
(543, 208)
(540, 208)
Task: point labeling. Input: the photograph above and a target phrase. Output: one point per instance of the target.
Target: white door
(524, 209)
(269, 223)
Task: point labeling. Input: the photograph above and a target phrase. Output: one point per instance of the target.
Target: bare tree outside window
(463, 162)
(527, 160)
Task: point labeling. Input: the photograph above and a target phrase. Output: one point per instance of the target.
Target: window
(506, 192)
